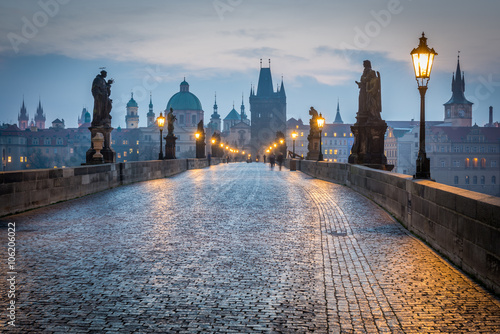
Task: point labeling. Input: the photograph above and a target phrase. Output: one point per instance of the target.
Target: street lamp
(214, 146)
(294, 136)
(321, 123)
(422, 58)
(161, 122)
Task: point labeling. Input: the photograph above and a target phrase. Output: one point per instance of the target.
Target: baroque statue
(170, 122)
(101, 90)
(370, 105)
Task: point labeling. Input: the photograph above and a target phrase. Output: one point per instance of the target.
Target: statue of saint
(170, 122)
(101, 90)
(313, 121)
(370, 104)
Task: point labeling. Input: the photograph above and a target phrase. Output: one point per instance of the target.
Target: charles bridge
(242, 248)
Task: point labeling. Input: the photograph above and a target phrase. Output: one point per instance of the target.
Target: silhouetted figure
(264, 158)
(101, 90)
(272, 160)
(280, 160)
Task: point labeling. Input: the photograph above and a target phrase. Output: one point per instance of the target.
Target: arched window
(466, 179)
(483, 179)
(493, 179)
(455, 180)
(474, 179)
(475, 162)
(483, 163)
(467, 162)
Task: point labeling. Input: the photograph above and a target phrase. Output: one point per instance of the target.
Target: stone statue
(200, 127)
(313, 137)
(370, 105)
(170, 122)
(369, 129)
(101, 90)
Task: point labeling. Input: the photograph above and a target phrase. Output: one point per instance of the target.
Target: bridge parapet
(462, 225)
(30, 189)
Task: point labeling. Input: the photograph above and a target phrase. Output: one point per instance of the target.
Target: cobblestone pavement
(232, 249)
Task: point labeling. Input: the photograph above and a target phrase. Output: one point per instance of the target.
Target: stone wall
(30, 189)
(462, 225)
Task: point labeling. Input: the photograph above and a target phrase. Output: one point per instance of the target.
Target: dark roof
(265, 87)
(458, 88)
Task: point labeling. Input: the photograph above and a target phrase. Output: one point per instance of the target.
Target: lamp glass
(160, 120)
(197, 135)
(423, 59)
(321, 121)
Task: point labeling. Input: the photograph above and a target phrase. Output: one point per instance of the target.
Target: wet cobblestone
(232, 249)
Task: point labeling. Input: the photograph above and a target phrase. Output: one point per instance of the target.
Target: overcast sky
(52, 49)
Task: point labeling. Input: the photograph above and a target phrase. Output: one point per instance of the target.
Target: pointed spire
(338, 118)
(458, 86)
(215, 104)
(282, 89)
(150, 102)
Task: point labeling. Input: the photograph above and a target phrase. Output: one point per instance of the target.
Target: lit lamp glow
(161, 122)
(321, 123)
(294, 136)
(422, 58)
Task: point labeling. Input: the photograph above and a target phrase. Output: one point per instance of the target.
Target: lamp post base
(423, 167)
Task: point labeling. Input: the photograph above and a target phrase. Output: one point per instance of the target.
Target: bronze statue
(170, 122)
(101, 90)
(370, 105)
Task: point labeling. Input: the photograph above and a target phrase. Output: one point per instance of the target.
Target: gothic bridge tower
(267, 111)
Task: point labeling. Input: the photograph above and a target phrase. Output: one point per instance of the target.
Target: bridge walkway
(236, 248)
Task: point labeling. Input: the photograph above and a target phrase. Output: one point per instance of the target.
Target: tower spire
(338, 118)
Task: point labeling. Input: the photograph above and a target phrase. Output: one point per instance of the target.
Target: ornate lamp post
(198, 153)
(161, 122)
(321, 123)
(422, 58)
(294, 136)
(214, 146)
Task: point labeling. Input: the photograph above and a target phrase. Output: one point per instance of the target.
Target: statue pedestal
(313, 147)
(368, 148)
(108, 154)
(170, 146)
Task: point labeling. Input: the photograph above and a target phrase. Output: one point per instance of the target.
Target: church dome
(184, 99)
(132, 102)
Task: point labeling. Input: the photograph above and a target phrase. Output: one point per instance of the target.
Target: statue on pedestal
(101, 121)
(170, 138)
(369, 129)
(101, 90)
(314, 136)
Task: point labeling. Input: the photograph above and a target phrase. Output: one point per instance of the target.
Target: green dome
(184, 100)
(132, 102)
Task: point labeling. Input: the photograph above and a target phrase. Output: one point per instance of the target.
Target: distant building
(132, 117)
(40, 117)
(188, 111)
(23, 118)
(84, 118)
(268, 112)
(458, 110)
(151, 118)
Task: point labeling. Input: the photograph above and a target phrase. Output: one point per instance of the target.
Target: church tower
(458, 110)
(151, 114)
(243, 115)
(23, 118)
(40, 117)
(132, 118)
(215, 121)
(267, 111)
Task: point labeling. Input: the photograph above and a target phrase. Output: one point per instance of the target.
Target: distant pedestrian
(280, 160)
(272, 161)
(264, 158)
(209, 158)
